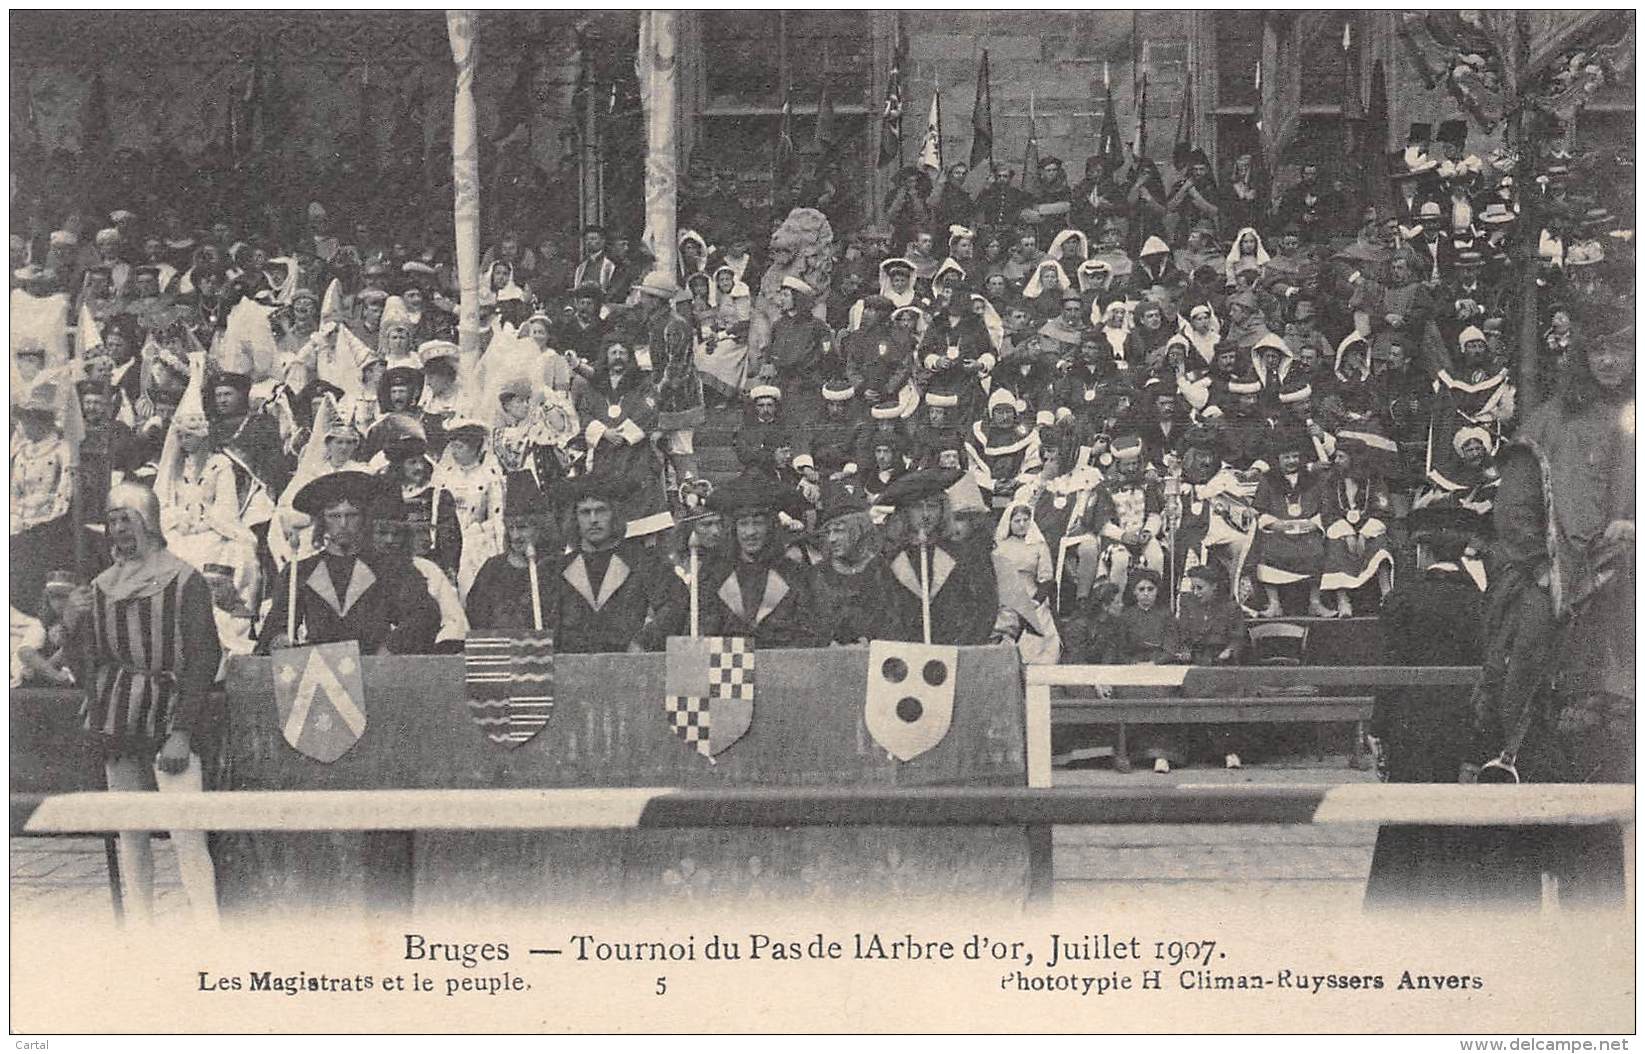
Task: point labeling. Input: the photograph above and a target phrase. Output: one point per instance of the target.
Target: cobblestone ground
(1202, 867)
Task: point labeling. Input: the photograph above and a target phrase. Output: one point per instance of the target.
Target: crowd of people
(1111, 420)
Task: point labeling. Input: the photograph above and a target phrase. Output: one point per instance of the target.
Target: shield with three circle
(910, 701)
(320, 696)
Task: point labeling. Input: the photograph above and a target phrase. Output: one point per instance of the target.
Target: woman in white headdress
(199, 501)
(896, 285)
(1061, 245)
(1043, 293)
(469, 473)
(722, 351)
(331, 447)
(1247, 246)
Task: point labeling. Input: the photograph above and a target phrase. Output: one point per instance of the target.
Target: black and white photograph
(850, 521)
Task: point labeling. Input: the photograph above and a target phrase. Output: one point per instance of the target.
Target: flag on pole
(1352, 112)
(891, 118)
(1139, 144)
(982, 117)
(931, 145)
(465, 175)
(1110, 147)
(782, 158)
(1031, 156)
(825, 118)
(1184, 145)
(514, 115)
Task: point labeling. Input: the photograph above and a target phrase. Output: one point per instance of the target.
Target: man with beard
(1215, 501)
(1557, 697)
(582, 329)
(620, 407)
(612, 595)
(1052, 198)
(751, 588)
(1193, 196)
(346, 591)
(399, 398)
(1308, 205)
(1000, 203)
(596, 266)
(879, 359)
(956, 349)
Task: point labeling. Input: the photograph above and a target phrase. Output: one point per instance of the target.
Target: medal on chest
(1090, 393)
(614, 411)
(953, 352)
(1353, 516)
(1060, 501)
(1293, 508)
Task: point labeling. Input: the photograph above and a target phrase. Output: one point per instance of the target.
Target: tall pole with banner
(465, 180)
(657, 72)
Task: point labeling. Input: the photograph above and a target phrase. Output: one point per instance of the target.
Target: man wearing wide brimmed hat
(934, 566)
(346, 591)
(612, 595)
(751, 588)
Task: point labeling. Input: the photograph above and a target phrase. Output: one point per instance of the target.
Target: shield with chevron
(510, 684)
(320, 695)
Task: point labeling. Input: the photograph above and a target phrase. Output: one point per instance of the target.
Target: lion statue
(803, 246)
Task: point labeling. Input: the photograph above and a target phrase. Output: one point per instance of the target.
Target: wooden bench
(1214, 710)
(1211, 694)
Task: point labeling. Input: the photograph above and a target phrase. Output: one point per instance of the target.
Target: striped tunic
(151, 661)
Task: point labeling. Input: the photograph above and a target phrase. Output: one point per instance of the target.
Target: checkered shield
(510, 684)
(709, 691)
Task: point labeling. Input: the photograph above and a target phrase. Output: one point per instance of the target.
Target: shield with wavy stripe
(510, 684)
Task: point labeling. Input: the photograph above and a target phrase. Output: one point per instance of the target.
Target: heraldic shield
(709, 690)
(320, 695)
(910, 700)
(510, 684)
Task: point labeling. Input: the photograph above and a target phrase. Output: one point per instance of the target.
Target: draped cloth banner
(656, 69)
(465, 181)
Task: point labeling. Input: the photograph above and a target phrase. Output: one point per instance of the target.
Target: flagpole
(536, 597)
(925, 587)
(291, 591)
(461, 28)
(695, 570)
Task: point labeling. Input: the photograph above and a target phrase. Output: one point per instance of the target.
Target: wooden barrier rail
(398, 820)
(622, 808)
(1226, 686)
